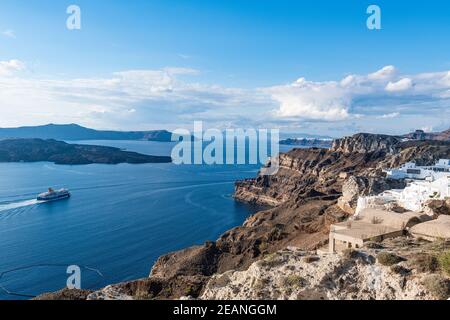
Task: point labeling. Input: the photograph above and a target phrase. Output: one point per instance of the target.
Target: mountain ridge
(73, 132)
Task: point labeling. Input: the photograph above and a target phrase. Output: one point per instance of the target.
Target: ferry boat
(54, 195)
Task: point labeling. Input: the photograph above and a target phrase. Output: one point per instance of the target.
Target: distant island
(422, 135)
(73, 132)
(58, 152)
(308, 142)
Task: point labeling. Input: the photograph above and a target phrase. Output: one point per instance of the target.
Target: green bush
(388, 259)
(189, 291)
(263, 246)
(444, 261)
(294, 281)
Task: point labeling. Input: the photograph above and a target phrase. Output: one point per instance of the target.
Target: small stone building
(372, 225)
(434, 229)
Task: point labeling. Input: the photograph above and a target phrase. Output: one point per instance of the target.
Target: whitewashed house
(410, 171)
(424, 183)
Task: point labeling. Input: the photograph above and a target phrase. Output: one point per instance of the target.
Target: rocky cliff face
(312, 173)
(356, 186)
(422, 135)
(366, 143)
(296, 274)
(355, 275)
(443, 136)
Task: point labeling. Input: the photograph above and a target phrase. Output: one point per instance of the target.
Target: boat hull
(54, 197)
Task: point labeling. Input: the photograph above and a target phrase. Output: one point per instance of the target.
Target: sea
(119, 220)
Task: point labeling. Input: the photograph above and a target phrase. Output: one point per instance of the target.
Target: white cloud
(389, 115)
(9, 34)
(383, 92)
(128, 99)
(427, 128)
(170, 97)
(400, 85)
(383, 74)
(313, 100)
(8, 68)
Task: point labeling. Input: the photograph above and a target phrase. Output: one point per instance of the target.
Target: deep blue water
(120, 218)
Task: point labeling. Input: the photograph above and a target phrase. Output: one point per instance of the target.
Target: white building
(410, 171)
(416, 193)
(425, 183)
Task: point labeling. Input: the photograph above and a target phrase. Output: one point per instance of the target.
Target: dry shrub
(388, 259)
(350, 254)
(438, 286)
(376, 220)
(294, 281)
(399, 269)
(373, 245)
(261, 284)
(310, 259)
(424, 262)
(271, 261)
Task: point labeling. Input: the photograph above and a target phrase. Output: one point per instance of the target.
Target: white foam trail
(15, 205)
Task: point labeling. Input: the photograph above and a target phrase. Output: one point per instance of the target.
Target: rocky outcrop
(65, 294)
(421, 152)
(442, 136)
(295, 274)
(298, 275)
(357, 186)
(435, 208)
(303, 173)
(366, 143)
(311, 143)
(312, 173)
(422, 135)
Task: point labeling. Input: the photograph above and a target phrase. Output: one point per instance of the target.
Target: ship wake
(18, 204)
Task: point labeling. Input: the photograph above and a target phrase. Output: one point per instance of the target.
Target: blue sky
(147, 64)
